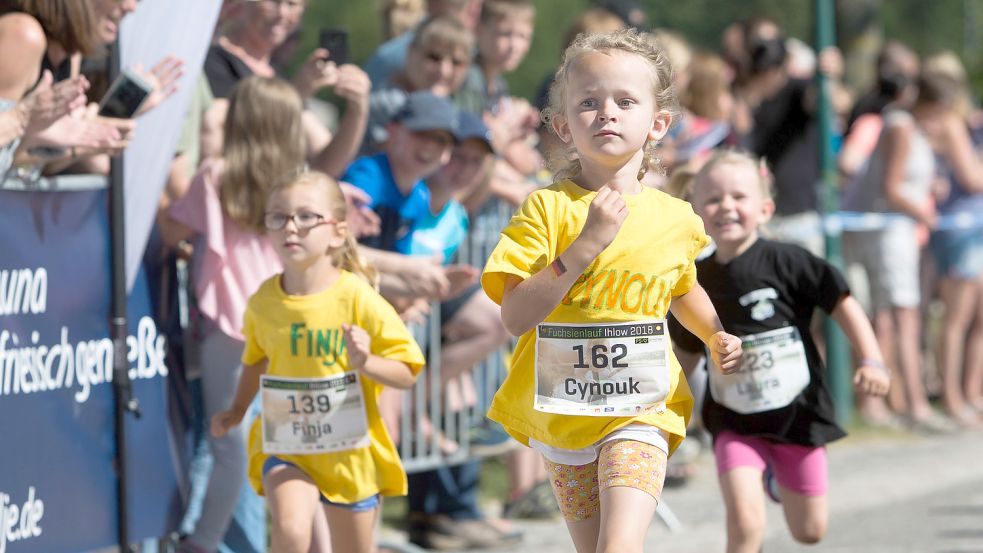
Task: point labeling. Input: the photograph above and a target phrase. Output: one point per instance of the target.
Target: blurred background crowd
(430, 117)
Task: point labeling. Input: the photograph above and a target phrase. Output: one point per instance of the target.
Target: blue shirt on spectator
(443, 232)
(398, 212)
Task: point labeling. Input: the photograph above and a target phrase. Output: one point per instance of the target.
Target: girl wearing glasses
(321, 344)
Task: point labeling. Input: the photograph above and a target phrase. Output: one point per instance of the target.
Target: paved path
(888, 493)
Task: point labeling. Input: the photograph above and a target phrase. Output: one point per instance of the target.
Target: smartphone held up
(335, 41)
(125, 96)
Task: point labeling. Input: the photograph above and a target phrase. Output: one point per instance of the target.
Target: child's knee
(616, 546)
(810, 531)
(291, 531)
(746, 523)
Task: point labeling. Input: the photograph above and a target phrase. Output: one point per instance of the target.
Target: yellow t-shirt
(276, 327)
(650, 261)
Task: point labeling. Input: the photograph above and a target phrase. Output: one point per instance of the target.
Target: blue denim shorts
(958, 253)
(367, 504)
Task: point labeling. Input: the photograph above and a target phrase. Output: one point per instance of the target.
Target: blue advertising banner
(57, 478)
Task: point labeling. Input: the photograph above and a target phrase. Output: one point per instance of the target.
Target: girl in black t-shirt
(775, 415)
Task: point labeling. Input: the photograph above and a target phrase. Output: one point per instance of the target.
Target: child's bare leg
(626, 514)
(526, 469)
(630, 475)
(744, 498)
(576, 491)
(293, 498)
(321, 536)
(585, 533)
(358, 529)
(806, 515)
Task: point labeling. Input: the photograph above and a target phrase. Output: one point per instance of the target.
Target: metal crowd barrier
(419, 449)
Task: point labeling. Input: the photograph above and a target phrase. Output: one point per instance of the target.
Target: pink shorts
(797, 468)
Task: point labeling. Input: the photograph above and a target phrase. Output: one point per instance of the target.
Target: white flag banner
(156, 29)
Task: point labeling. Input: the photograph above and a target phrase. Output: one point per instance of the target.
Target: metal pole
(123, 401)
(837, 349)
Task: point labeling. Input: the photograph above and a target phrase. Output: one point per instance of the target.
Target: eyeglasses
(305, 220)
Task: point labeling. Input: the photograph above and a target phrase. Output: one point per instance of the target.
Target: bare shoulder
(21, 33)
(23, 44)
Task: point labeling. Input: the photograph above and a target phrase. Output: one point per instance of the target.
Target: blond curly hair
(563, 160)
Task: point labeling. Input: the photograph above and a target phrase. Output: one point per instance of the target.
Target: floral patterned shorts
(619, 463)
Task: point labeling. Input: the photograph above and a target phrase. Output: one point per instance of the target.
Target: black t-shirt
(787, 136)
(224, 69)
(794, 282)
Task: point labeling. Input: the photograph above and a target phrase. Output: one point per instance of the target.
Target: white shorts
(890, 259)
(638, 432)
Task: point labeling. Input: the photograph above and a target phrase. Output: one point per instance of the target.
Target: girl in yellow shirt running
(585, 272)
(320, 345)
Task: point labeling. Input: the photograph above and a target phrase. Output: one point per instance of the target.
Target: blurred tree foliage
(927, 26)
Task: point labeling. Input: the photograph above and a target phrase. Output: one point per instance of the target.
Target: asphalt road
(944, 521)
(895, 493)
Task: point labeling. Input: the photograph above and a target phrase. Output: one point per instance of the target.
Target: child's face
(438, 70)
(504, 44)
(730, 202)
(610, 110)
(418, 155)
(466, 167)
(309, 232)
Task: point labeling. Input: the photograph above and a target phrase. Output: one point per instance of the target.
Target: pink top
(230, 262)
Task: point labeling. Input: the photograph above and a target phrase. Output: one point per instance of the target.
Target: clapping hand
(163, 77)
(48, 103)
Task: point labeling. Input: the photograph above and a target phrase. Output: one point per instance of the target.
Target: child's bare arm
(871, 376)
(694, 310)
(387, 372)
(526, 303)
(245, 392)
